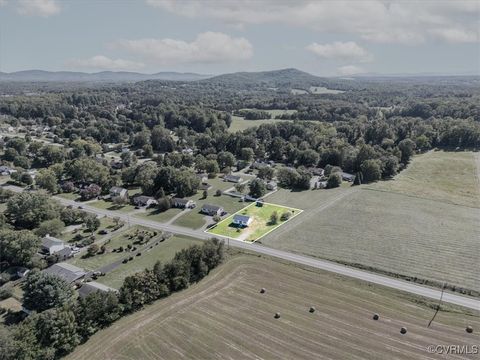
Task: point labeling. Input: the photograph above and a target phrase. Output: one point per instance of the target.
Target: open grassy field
(163, 252)
(439, 175)
(226, 317)
(240, 124)
(260, 225)
(398, 231)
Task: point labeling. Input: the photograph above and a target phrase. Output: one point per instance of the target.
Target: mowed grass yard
(194, 219)
(260, 225)
(120, 239)
(226, 317)
(163, 252)
(398, 231)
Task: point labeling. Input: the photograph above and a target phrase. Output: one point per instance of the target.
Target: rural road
(412, 288)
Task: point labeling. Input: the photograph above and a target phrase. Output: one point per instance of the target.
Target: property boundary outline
(297, 212)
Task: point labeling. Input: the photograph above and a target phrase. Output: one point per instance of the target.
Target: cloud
(43, 8)
(3, 3)
(383, 21)
(344, 51)
(350, 70)
(104, 63)
(208, 47)
(456, 35)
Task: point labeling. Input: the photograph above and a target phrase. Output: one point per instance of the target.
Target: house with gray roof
(232, 178)
(212, 210)
(183, 203)
(242, 220)
(51, 245)
(116, 191)
(68, 272)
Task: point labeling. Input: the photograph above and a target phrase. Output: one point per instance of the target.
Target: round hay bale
(376, 316)
(263, 291)
(403, 330)
(277, 315)
(469, 329)
(312, 309)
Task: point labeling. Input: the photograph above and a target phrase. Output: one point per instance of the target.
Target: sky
(327, 38)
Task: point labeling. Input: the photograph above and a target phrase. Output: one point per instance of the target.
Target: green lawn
(105, 223)
(97, 261)
(163, 252)
(69, 196)
(155, 215)
(260, 225)
(108, 205)
(194, 219)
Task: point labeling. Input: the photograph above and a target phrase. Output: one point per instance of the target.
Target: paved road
(468, 302)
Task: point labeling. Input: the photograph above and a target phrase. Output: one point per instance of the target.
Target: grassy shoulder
(227, 315)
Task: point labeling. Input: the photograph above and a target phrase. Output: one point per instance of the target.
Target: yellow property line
(297, 212)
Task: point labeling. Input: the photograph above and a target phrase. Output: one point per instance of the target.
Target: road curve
(432, 293)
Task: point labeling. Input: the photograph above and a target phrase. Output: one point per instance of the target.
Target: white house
(242, 220)
(51, 245)
(116, 191)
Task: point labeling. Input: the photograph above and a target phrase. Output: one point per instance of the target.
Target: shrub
(285, 216)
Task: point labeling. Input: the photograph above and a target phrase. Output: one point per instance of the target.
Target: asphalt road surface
(432, 293)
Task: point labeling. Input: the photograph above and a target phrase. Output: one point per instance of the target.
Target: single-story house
(116, 164)
(271, 185)
(212, 210)
(202, 177)
(144, 201)
(183, 203)
(51, 245)
(93, 286)
(116, 191)
(67, 272)
(65, 253)
(232, 178)
(348, 177)
(242, 220)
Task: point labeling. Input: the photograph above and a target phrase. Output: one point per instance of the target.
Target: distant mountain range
(103, 76)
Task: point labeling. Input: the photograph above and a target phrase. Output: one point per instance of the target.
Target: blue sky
(322, 37)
